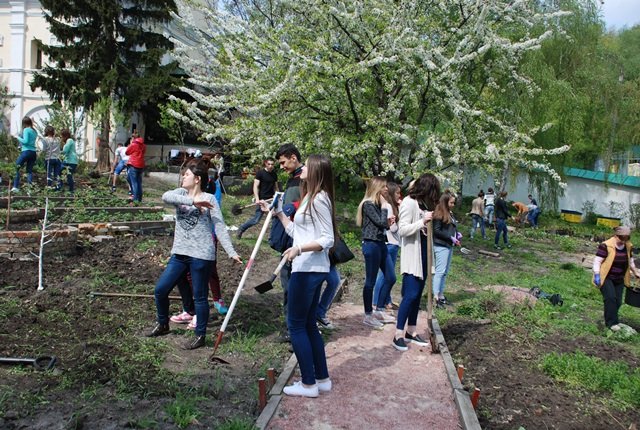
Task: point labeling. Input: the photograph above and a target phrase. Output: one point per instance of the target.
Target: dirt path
(374, 386)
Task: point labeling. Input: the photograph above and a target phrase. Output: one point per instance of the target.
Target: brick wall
(20, 244)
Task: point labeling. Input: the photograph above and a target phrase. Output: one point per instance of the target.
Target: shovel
(237, 209)
(266, 286)
(41, 363)
(236, 296)
(432, 335)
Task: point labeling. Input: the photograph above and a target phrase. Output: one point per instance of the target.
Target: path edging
(466, 412)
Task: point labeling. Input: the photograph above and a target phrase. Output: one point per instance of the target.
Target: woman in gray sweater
(193, 250)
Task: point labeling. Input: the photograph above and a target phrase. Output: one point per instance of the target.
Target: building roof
(611, 178)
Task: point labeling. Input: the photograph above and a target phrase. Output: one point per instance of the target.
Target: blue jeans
(333, 280)
(412, 288)
(304, 292)
(71, 169)
(285, 274)
(442, 256)
(177, 268)
(135, 179)
(501, 227)
(28, 158)
(477, 221)
(533, 217)
(384, 283)
(251, 221)
(488, 212)
(54, 167)
(375, 258)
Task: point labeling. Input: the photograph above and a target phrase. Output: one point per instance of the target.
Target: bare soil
(515, 392)
(109, 375)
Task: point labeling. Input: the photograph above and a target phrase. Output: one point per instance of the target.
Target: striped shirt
(620, 262)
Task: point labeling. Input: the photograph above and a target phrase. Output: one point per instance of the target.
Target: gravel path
(374, 386)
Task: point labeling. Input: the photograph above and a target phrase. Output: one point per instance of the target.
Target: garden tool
(237, 209)
(44, 362)
(465, 251)
(432, 335)
(247, 269)
(268, 285)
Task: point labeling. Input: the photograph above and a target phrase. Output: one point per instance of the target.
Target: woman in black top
(373, 220)
(502, 214)
(445, 237)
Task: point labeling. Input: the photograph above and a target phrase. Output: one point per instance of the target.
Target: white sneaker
(383, 317)
(324, 386)
(615, 327)
(372, 321)
(14, 190)
(297, 389)
(192, 325)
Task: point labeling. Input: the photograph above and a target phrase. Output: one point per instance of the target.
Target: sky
(620, 13)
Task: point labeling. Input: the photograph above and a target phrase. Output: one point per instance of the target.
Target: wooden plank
(284, 376)
(468, 417)
(268, 412)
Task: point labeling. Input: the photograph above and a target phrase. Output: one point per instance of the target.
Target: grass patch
(237, 424)
(593, 374)
(183, 410)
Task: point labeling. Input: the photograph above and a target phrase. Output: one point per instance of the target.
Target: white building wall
(578, 192)
(21, 23)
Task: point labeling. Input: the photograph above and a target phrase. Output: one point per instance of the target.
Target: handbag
(340, 253)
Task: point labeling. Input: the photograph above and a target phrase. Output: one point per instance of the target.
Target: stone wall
(21, 244)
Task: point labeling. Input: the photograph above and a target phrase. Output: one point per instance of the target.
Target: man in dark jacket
(502, 214)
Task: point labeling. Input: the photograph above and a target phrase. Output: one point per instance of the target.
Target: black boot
(195, 343)
(159, 330)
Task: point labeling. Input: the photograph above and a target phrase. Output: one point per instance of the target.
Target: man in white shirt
(119, 164)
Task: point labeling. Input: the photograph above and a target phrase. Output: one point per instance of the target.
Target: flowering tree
(384, 87)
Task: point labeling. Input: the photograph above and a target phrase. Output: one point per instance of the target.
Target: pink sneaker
(193, 323)
(182, 318)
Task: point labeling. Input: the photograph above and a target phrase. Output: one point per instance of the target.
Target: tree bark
(104, 159)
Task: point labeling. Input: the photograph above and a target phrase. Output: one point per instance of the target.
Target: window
(36, 55)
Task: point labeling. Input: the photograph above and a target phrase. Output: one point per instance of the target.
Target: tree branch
(352, 107)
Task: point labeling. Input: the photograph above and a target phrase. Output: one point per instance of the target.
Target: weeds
(183, 410)
(590, 373)
(238, 424)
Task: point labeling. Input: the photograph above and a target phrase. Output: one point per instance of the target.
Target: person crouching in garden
(193, 250)
(415, 212)
(313, 230)
(612, 269)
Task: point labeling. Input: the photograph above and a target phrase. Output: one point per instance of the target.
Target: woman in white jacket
(313, 231)
(415, 212)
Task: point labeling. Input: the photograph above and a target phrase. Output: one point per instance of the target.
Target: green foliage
(241, 423)
(183, 410)
(612, 378)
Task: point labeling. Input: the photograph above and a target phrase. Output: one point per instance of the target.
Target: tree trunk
(104, 160)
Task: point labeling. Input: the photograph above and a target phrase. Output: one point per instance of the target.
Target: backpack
(279, 240)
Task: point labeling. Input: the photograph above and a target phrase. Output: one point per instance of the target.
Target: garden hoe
(247, 269)
(237, 209)
(432, 334)
(44, 362)
(268, 285)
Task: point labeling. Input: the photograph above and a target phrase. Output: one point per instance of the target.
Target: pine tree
(107, 53)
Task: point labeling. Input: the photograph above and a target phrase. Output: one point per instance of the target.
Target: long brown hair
(426, 191)
(442, 211)
(390, 197)
(375, 190)
(319, 178)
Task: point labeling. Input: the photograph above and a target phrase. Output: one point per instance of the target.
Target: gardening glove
(454, 241)
(596, 279)
(458, 236)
